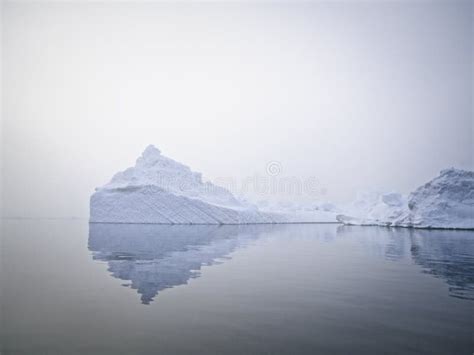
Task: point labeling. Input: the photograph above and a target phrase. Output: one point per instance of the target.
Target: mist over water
(356, 95)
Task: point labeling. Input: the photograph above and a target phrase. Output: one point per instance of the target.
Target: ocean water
(70, 287)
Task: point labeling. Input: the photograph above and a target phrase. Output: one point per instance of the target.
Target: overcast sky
(354, 94)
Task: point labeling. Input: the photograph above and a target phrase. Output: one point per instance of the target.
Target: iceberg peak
(151, 154)
(151, 150)
(153, 170)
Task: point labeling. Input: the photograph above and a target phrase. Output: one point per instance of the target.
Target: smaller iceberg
(375, 208)
(447, 202)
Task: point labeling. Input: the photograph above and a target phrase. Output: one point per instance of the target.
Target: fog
(353, 94)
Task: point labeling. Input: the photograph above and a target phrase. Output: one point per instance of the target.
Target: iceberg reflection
(448, 255)
(444, 254)
(151, 258)
(155, 257)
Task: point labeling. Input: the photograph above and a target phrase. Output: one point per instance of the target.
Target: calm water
(70, 287)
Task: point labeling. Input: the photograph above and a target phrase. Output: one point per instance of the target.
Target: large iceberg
(160, 190)
(447, 201)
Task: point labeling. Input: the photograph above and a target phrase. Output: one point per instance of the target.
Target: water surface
(70, 287)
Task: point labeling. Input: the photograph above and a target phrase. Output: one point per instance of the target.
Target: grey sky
(356, 94)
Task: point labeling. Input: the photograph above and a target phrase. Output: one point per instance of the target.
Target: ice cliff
(447, 201)
(160, 190)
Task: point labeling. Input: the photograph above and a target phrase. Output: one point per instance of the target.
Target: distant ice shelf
(446, 202)
(162, 191)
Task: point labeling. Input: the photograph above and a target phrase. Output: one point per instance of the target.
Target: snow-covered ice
(374, 208)
(160, 190)
(447, 201)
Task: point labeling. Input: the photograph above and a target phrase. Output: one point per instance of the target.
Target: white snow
(374, 208)
(300, 211)
(160, 190)
(446, 201)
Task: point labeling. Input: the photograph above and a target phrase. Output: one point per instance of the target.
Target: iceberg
(162, 191)
(375, 208)
(445, 202)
